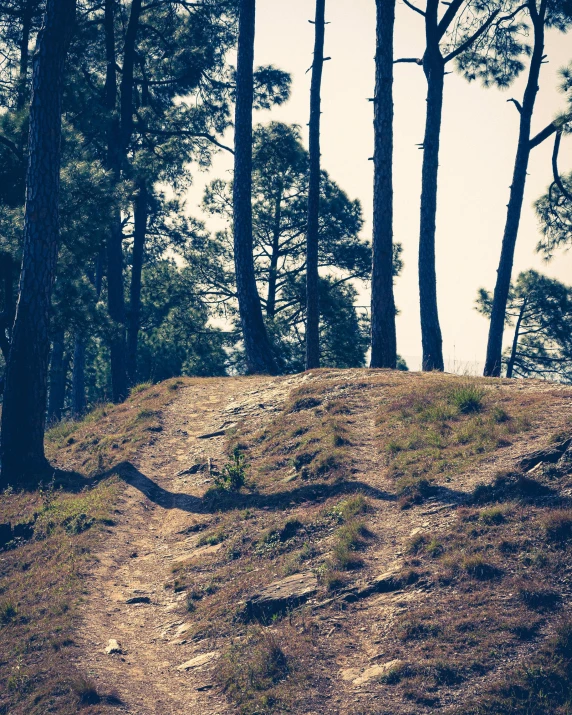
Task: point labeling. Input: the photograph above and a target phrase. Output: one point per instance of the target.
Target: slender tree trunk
(275, 255)
(259, 356)
(312, 231)
(514, 350)
(383, 334)
(25, 394)
(141, 212)
(493, 360)
(78, 377)
(434, 69)
(120, 130)
(22, 92)
(57, 392)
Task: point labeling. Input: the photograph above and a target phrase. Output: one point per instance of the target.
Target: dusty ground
(159, 504)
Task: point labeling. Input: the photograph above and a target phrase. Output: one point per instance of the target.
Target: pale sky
(478, 143)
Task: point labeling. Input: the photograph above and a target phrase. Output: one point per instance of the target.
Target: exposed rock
(281, 596)
(375, 671)
(210, 435)
(550, 455)
(138, 599)
(384, 583)
(113, 647)
(199, 660)
(192, 470)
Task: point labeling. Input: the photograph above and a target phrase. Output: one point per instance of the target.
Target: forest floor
(401, 546)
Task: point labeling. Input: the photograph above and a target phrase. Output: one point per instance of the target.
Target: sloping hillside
(400, 545)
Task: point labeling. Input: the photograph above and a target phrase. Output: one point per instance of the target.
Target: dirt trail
(160, 503)
(156, 506)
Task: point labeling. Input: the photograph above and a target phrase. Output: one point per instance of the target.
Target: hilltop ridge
(400, 545)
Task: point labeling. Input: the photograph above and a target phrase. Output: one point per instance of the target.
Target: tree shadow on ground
(220, 500)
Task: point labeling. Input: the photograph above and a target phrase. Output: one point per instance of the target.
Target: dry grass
(41, 589)
(111, 434)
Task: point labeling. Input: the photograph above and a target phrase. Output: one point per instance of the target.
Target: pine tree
(312, 276)
(259, 354)
(543, 14)
(383, 334)
(25, 394)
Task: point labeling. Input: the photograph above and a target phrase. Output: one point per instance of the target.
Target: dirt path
(161, 504)
(156, 508)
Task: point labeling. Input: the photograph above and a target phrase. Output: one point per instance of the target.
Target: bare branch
(411, 6)
(473, 38)
(557, 177)
(413, 60)
(516, 103)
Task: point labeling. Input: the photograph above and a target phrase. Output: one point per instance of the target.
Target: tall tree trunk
(312, 231)
(514, 350)
(141, 212)
(275, 255)
(25, 394)
(22, 91)
(259, 356)
(78, 377)
(493, 360)
(57, 392)
(383, 334)
(120, 130)
(434, 69)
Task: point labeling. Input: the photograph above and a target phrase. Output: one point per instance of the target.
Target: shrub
(478, 568)
(558, 525)
(467, 398)
(233, 474)
(495, 516)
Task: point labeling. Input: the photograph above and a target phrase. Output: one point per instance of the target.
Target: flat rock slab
(360, 677)
(201, 551)
(281, 596)
(199, 660)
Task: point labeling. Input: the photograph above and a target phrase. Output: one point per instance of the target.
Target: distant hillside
(399, 543)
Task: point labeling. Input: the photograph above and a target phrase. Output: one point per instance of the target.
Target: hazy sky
(477, 153)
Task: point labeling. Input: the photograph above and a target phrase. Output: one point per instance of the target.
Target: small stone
(113, 647)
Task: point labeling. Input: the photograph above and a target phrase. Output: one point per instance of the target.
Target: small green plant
(233, 473)
(8, 612)
(467, 398)
(493, 516)
(558, 525)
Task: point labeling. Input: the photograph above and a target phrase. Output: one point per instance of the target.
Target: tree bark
(273, 268)
(120, 131)
(312, 231)
(141, 212)
(383, 333)
(78, 400)
(434, 68)
(25, 395)
(259, 355)
(493, 360)
(57, 393)
(514, 350)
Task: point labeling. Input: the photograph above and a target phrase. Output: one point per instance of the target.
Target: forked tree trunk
(141, 212)
(434, 69)
(312, 231)
(514, 350)
(259, 356)
(25, 394)
(383, 334)
(493, 361)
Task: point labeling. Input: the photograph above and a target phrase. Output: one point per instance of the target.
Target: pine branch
(411, 6)
(473, 38)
